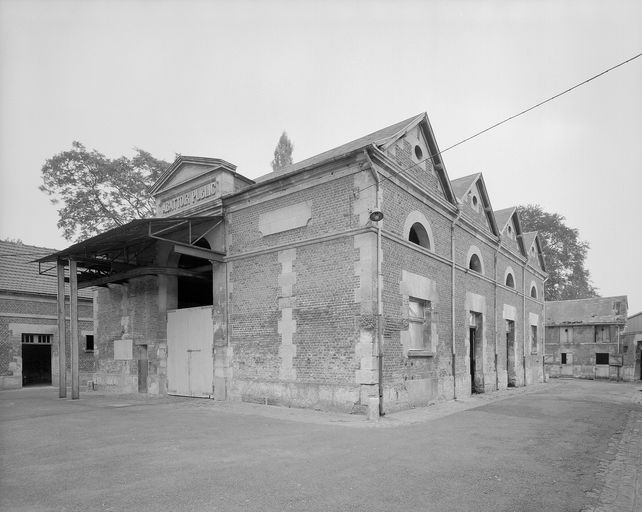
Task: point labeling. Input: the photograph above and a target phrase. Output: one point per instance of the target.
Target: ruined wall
(131, 325)
(572, 351)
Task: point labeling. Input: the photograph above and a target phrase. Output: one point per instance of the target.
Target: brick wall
(24, 314)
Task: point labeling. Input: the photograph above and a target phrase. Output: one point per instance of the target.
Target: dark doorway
(143, 368)
(196, 290)
(476, 339)
(473, 341)
(36, 359)
(510, 353)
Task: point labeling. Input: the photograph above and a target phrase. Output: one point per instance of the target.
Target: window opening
(89, 343)
(475, 263)
(195, 290)
(563, 357)
(602, 334)
(533, 338)
(418, 235)
(510, 282)
(418, 152)
(533, 292)
(601, 358)
(419, 320)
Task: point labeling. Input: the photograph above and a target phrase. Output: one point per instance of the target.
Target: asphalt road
(562, 446)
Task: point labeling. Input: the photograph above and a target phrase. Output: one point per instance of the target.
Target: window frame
(420, 324)
(533, 337)
(93, 343)
(602, 354)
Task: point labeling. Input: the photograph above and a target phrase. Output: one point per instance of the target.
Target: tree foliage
(564, 254)
(97, 193)
(282, 153)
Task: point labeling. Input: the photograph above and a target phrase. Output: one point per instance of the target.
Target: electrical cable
(430, 157)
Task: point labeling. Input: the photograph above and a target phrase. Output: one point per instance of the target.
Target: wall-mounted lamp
(376, 215)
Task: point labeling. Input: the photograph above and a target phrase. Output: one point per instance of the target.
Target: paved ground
(562, 446)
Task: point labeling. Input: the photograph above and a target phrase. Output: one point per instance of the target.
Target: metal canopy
(129, 250)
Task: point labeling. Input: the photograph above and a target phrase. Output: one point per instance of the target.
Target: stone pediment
(193, 185)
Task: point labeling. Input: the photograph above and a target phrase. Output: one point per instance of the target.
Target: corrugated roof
(378, 137)
(19, 271)
(596, 310)
(134, 232)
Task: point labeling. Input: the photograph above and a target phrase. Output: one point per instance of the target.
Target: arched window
(475, 263)
(417, 230)
(510, 280)
(533, 291)
(509, 277)
(419, 236)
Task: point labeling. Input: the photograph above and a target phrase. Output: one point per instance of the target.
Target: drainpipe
(496, 320)
(544, 328)
(452, 303)
(379, 324)
(524, 322)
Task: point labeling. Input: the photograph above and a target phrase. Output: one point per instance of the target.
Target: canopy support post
(73, 301)
(62, 332)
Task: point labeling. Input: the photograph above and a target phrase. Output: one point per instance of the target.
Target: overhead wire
(439, 153)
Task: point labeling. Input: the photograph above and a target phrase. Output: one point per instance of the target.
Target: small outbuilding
(29, 337)
(585, 338)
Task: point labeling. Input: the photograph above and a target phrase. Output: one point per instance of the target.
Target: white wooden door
(190, 365)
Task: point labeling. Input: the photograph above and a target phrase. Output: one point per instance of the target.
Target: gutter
(544, 329)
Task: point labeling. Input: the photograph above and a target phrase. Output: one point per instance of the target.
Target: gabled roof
(461, 187)
(503, 217)
(19, 270)
(380, 137)
(530, 238)
(596, 310)
(207, 162)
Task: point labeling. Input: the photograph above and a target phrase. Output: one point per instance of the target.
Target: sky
(224, 79)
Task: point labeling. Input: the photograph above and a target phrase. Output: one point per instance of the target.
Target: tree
(564, 254)
(98, 193)
(15, 241)
(282, 153)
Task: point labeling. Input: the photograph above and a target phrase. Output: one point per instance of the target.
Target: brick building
(585, 339)
(29, 321)
(288, 289)
(632, 348)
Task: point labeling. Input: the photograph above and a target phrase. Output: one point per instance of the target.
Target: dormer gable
(414, 148)
(193, 185)
(533, 248)
(510, 229)
(474, 202)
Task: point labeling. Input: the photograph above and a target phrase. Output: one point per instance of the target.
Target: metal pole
(73, 319)
(62, 332)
